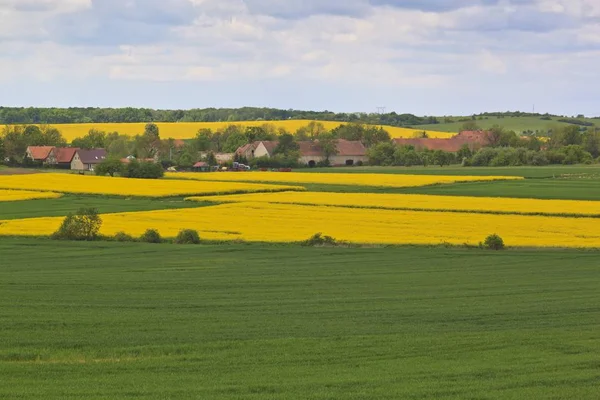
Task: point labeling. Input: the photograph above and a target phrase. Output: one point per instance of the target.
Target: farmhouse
(348, 152)
(257, 149)
(86, 160)
(61, 157)
(38, 153)
(474, 140)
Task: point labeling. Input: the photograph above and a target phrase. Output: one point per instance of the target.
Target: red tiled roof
(350, 148)
(269, 145)
(344, 148)
(39, 153)
(310, 149)
(178, 143)
(242, 150)
(200, 164)
(64, 154)
(472, 139)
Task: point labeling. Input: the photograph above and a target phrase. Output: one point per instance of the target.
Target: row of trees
(566, 145)
(14, 115)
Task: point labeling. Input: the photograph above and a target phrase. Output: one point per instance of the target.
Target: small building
(61, 157)
(86, 160)
(201, 166)
(38, 153)
(348, 152)
(264, 148)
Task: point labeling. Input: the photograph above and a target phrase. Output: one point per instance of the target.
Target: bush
(151, 236)
(360, 163)
(187, 236)
(123, 237)
(143, 170)
(83, 225)
(493, 242)
(318, 239)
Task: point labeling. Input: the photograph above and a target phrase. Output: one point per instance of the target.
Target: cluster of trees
(133, 169)
(14, 141)
(388, 154)
(566, 145)
(14, 115)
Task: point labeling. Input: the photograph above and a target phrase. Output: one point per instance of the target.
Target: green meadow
(118, 321)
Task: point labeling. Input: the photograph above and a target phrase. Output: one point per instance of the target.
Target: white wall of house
(261, 151)
(333, 160)
(76, 164)
(342, 160)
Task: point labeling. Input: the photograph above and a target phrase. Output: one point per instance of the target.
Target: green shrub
(318, 239)
(493, 242)
(83, 225)
(187, 236)
(123, 237)
(151, 236)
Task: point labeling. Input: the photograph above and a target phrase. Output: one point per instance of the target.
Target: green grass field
(517, 124)
(108, 320)
(567, 189)
(71, 203)
(550, 171)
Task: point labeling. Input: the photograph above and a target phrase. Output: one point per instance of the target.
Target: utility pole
(381, 110)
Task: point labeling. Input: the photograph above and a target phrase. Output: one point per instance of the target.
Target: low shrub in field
(493, 242)
(318, 239)
(187, 236)
(123, 237)
(151, 236)
(83, 225)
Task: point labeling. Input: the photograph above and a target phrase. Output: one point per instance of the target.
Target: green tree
(83, 225)
(328, 143)
(110, 166)
(33, 136)
(204, 140)
(287, 144)
(591, 142)
(382, 154)
(469, 126)
(94, 139)
(312, 131)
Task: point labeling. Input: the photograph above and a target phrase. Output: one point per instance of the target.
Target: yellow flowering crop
(188, 130)
(377, 180)
(71, 183)
(15, 195)
(417, 202)
(288, 223)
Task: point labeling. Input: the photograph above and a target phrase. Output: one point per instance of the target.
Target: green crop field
(517, 124)
(550, 171)
(567, 189)
(71, 203)
(108, 320)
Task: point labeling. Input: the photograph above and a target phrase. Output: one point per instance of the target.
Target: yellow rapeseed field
(288, 223)
(418, 202)
(376, 180)
(188, 130)
(16, 195)
(71, 183)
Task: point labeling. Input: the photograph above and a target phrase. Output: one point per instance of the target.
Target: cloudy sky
(420, 56)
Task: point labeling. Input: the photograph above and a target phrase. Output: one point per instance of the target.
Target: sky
(427, 57)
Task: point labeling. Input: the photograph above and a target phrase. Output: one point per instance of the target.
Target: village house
(474, 140)
(38, 153)
(257, 149)
(86, 160)
(348, 152)
(61, 157)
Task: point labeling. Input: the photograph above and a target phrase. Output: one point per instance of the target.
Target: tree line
(566, 145)
(34, 115)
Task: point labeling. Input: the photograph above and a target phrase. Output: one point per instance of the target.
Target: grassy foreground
(109, 320)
